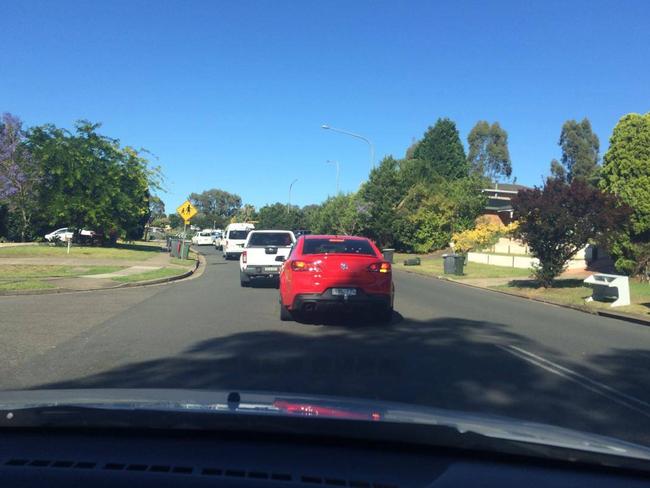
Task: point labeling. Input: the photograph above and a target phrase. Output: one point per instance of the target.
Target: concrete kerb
(197, 271)
(603, 313)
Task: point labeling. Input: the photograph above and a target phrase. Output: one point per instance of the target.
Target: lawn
(185, 262)
(573, 292)
(432, 265)
(151, 275)
(14, 272)
(25, 285)
(120, 251)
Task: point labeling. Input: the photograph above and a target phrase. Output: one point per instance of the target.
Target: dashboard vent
(258, 475)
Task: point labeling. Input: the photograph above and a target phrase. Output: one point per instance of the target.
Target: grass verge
(573, 292)
(185, 262)
(25, 285)
(151, 275)
(15, 272)
(432, 265)
(120, 251)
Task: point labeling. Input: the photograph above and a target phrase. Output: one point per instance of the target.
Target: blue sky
(232, 94)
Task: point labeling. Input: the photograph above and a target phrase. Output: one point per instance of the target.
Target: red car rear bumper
(326, 301)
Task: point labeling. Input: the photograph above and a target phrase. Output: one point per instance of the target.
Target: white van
(234, 238)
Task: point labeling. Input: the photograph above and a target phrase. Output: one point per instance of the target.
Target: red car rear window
(337, 246)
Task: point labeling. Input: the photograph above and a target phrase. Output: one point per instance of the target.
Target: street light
(338, 173)
(290, 187)
(358, 136)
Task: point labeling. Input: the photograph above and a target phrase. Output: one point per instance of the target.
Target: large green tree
(379, 198)
(215, 207)
(90, 181)
(280, 216)
(340, 214)
(428, 215)
(488, 151)
(626, 173)
(580, 147)
(443, 150)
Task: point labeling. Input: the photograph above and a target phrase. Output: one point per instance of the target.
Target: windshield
(450, 204)
(238, 234)
(270, 239)
(337, 246)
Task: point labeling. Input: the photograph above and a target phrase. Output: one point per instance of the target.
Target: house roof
(506, 188)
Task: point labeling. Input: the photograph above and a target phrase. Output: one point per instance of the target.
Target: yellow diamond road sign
(186, 211)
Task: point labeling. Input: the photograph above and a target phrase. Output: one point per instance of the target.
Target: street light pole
(358, 136)
(338, 174)
(290, 187)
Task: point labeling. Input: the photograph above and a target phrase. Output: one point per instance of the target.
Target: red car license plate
(346, 292)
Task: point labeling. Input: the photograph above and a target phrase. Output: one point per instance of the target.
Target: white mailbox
(608, 287)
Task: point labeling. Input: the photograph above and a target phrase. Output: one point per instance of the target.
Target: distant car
(325, 271)
(232, 243)
(62, 234)
(203, 238)
(264, 252)
(67, 233)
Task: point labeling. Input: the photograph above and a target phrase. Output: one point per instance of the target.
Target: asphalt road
(448, 346)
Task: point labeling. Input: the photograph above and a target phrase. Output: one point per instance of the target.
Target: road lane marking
(597, 387)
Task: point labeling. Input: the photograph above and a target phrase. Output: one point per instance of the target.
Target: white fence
(514, 261)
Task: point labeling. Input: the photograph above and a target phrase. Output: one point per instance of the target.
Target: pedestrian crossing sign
(187, 211)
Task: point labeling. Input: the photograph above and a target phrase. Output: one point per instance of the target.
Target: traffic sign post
(186, 211)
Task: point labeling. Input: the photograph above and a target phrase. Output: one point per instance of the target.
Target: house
(499, 204)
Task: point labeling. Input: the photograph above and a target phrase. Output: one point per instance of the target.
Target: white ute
(264, 253)
(234, 237)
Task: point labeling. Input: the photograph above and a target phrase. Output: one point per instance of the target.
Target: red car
(323, 271)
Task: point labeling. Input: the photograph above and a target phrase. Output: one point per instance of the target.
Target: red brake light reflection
(310, 410)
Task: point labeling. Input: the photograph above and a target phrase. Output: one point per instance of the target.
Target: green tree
(557, 170)
(428, 216)
(558, 220)
(580, 147)
(442, 149)
(156, 207)
(90, 181)
(215, 206)
(246, 213)
(379, 198)
(175, 221)
(626, 173)
(340, 215)
(279, 216)
(488, 151)
(310, 214)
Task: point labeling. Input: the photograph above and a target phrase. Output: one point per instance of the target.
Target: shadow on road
(447, 363)
(346, 318)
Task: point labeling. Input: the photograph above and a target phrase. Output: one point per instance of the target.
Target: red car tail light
(299, 265)
(244, 258)
(384, 267)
